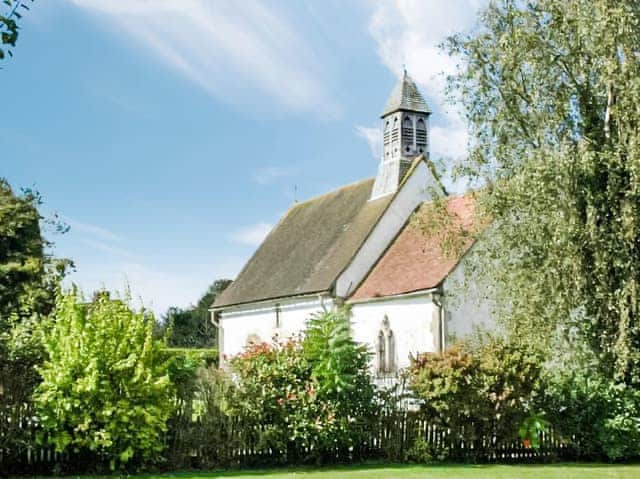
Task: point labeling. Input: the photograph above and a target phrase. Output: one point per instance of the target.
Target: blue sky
(171, 135)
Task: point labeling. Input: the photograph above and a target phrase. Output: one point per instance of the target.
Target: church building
(358, 245)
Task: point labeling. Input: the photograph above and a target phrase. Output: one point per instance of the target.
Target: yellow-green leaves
(103, 388)
(551, 89)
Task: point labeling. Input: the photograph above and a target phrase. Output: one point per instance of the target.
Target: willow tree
(551, 91)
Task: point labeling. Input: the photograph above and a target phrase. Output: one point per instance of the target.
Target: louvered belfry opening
(405, 125)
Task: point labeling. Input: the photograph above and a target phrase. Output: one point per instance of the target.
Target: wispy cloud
(252, 235)
(373, 137)
(91, 230)
(236, 51)
(106, 248)
(269, 174)
(104, 260)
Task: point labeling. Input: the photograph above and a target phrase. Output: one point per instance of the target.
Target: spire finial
(404, 69)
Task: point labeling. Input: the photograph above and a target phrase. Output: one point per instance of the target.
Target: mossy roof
(309, 248)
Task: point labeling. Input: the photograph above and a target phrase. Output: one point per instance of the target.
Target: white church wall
(414, 192)
(467, 305)
(259, 322)
(411, 318)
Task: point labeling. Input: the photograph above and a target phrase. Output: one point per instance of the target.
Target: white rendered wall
(414, 192)
(466, 304)
(411, 318)
(239, 323)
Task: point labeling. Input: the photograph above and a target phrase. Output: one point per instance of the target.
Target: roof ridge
(340, 188)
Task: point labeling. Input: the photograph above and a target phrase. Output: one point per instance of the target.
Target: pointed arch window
(387, 132)
(421, 135)
(407, 131)
(395, 130)
(385, 349)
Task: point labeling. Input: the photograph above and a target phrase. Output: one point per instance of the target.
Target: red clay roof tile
(415, 261)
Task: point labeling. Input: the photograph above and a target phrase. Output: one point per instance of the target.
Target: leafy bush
(202, 421)
(340, 366)
(279, 398)
(20, 353)
(421, 452)
(308, 400)
(478, 393)
(103, 391)
(599, 418)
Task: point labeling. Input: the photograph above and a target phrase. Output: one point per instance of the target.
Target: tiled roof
(406, 96)
(415, 261)
(309, 247)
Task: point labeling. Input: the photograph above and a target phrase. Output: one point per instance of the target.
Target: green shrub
(205, 356)
(599, 418)
(103, 391)
(420, 452)
(340, 366)
(479, 393)
(306, 400)
(202, 421)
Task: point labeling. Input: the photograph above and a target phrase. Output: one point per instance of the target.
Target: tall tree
(29, 277)
(551, 90)
(192, 327)
(28, 274)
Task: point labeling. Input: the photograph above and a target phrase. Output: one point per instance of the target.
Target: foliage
(311, 398)
(202, 420)
(531, 429)
(28, 276)
(192, 327)
(28, 281)
(201, 357)
(276, 390)
(339, 364)
(423, 451)
(478, 393)
(601, 419)
(103, 391)
(550, 89)
(9, 25)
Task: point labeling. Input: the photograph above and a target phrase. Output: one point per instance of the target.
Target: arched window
(421, 135)
(407, 133)
(386, 349)
(395, 130)
(387, 132)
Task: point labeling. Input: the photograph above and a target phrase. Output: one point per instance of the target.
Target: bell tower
(405, 130)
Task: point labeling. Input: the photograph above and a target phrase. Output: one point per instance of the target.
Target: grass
(549, 471)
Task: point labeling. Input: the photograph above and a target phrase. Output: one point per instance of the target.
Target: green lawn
(559, 471)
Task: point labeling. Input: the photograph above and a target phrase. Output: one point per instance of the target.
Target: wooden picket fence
(389, 437)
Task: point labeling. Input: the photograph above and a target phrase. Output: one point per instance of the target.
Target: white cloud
(269, 174)
(449, 141)
(373, 137)
(104, 262)
(92, 230)
(252, 235)
(408, 32)
(233, 50)
(155, 289)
